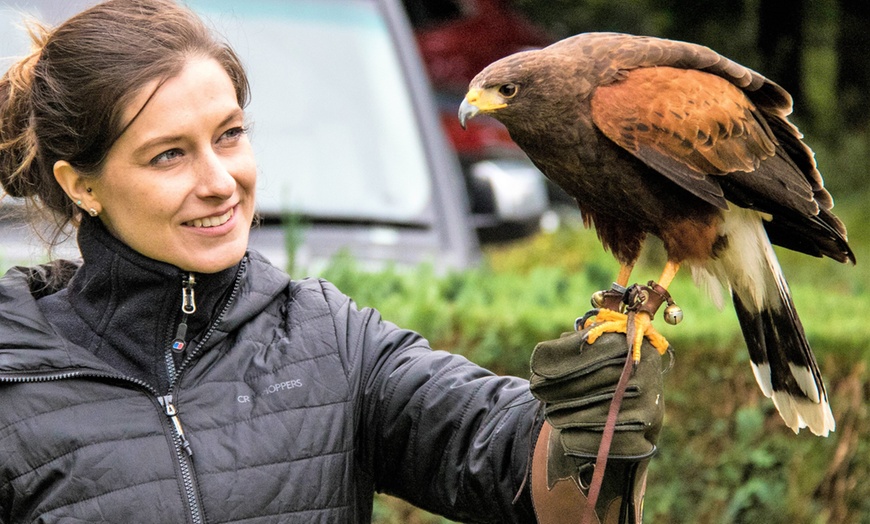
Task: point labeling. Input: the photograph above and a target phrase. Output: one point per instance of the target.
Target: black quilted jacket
(295, 407)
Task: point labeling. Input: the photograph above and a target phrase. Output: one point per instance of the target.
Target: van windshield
(333, 125)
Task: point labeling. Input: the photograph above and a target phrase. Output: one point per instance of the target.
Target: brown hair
(65, 100)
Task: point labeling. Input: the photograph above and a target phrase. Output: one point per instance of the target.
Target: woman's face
(178, 185)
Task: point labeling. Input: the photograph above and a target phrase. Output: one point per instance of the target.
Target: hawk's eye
(508, 90)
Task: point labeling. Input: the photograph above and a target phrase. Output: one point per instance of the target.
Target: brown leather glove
(576, 382)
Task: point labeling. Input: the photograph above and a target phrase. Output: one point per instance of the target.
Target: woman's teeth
(211, 221)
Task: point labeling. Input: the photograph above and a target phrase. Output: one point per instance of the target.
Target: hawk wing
(697, 128)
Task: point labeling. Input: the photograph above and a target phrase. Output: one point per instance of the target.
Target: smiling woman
(79, 121)
(178, 184)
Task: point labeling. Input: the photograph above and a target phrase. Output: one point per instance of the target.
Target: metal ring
(585, 470)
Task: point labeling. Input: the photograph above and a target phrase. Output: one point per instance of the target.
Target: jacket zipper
(63, 375)
(235, 291)
(181, 443)
(188, 307)
(183, 451)
(172, 413)
(178, 343)
(179, 439)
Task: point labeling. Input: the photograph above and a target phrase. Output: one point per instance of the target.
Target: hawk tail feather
(784, 365)
(782, 360)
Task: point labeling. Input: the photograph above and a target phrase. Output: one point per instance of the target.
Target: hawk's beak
(479, 101)
(467, 111)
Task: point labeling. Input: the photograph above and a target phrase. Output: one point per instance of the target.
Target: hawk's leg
(624, 274)
(669, 273)
(643, 302)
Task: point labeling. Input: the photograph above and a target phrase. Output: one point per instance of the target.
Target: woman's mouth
(211, 221)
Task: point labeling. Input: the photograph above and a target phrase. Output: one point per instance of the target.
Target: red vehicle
(458, 38)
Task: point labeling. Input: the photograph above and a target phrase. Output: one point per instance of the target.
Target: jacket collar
(22, 324)
(132, 302)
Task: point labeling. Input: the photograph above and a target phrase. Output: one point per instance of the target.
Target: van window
(333, 125)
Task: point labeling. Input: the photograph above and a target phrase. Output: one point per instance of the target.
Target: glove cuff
(560, 484)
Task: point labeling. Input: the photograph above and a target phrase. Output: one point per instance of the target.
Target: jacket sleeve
(435, 429)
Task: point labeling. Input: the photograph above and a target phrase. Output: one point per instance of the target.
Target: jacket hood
(24, 330)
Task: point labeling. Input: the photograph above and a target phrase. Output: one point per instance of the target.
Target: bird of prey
(666, 138)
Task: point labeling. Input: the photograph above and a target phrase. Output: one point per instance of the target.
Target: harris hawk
(666, 138)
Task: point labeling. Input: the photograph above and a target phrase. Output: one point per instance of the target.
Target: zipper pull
(172, 413)
(188, 304)
(188, 307)
(179, 342)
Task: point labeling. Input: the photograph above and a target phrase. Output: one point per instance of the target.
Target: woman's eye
(508, 90)
(166, 156)
(234, 133)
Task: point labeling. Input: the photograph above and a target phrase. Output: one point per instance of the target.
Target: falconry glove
(577, 381)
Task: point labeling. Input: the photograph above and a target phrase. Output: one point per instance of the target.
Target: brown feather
(696, 118)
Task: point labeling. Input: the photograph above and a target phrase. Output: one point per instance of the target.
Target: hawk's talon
(604, 327)
(671, 359)
(609, 321)
(581, 322)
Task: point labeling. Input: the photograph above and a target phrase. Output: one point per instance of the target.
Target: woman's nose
(215, 177)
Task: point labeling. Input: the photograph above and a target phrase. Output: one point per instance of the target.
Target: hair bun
(18, 145)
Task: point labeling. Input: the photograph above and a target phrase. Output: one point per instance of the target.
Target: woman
(174, 376)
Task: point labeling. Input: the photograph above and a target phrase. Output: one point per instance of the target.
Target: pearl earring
(93, 212)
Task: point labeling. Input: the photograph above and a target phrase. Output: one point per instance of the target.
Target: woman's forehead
(200, 86)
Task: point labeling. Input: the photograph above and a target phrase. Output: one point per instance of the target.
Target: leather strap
(607, 439)
(648, 298)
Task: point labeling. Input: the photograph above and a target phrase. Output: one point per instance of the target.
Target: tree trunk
(853, 65)
(780, 40)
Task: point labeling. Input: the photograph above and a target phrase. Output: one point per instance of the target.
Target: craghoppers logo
(271, 389)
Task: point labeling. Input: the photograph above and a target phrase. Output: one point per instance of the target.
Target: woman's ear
(76, 187)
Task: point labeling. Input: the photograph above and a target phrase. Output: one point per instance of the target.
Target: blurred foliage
(726, 456)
